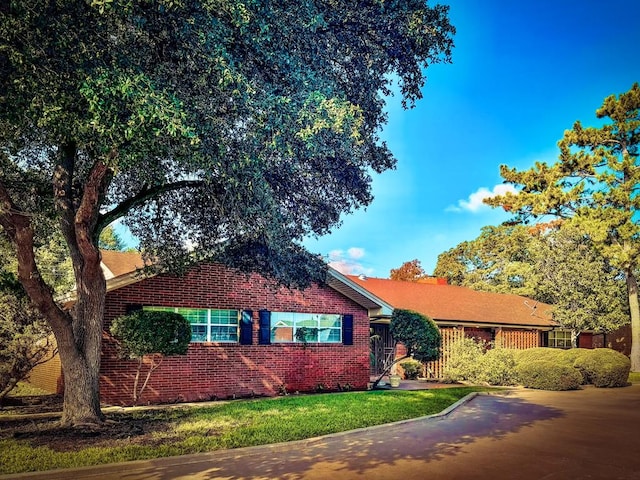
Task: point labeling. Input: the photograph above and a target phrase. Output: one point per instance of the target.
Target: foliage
(601, 367)
(418, 333)
(529, 355)
(499, 260)
(410, 271)
(152, 333)
(110, 240)
(462, 360)
(547, 375)
(604, 367)
(25, 338)
(498, 367)
(593, 185)
(239, 424)
(265, 115)
(411, 369)
(552, 263)
(586, 292)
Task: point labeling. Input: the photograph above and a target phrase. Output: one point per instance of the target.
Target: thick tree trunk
(634, 307)
(81, 359)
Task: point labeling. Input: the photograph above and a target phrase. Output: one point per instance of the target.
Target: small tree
(157, 334)
(409, 272)
(418, 333)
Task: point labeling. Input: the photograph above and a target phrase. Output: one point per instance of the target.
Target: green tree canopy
(237, 128)
(499, 260)
(110, 240)
(594, 184)
(549, 263)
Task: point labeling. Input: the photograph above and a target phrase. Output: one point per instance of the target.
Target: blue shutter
(246, 327)
(347, 329)
(264, 334)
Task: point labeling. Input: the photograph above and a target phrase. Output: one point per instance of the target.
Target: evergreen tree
(594, 185)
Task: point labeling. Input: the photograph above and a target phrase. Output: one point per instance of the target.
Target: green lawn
(235, 424)
(634, 377)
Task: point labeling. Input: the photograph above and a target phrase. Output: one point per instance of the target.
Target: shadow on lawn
(365, 451)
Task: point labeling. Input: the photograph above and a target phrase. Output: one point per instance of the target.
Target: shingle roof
(453, 304)
(118, 263)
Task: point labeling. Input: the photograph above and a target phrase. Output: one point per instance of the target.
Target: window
(320, 328)
(560, 339)
(208, 325)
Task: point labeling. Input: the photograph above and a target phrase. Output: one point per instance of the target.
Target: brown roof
(449, 303)
(119, 263)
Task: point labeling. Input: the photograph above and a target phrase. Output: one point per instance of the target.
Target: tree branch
(140, 198)
(17, 227)
(63, 192)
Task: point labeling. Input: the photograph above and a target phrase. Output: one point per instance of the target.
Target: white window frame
(559, 341)
(209, 324)
(324, 327)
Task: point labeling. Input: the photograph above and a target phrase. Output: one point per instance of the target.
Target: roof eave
(350, 289)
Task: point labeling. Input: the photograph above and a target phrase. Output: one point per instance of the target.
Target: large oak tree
(595, 185)
(235, 127)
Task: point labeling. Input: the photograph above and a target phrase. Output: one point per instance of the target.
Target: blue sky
(522, 73)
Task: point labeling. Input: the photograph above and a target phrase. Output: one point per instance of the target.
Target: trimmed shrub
(547, 375)
(537, 353)
(411, 369)
(603, 367)
(571, 356)
(498, 367)
(463, 360)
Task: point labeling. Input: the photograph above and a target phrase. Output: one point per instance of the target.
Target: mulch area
(36, 420)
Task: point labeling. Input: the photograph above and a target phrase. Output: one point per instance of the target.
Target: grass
(634, 377)
(237, 424)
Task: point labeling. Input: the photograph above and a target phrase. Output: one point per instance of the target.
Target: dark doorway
(382, 351)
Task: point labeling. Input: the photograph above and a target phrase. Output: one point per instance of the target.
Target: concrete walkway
(523, 434)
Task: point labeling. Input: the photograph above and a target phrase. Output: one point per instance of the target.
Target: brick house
(510, 320)
(243, 334)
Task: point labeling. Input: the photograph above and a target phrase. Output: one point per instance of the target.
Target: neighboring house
(509, 320)
(243, 334)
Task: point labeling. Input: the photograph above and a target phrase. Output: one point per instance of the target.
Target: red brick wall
(223, 370)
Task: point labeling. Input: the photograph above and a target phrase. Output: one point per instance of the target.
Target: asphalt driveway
(524, 434)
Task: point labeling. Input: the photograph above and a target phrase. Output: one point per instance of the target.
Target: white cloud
(347, 262)
(475, 202)
(355, 252)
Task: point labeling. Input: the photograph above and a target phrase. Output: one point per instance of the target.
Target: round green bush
(498, 367)
(603, 367)
(411, 369)
(537, 353)
(548, 375)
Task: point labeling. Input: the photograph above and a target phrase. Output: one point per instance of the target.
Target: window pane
(224, 317)
(198, 333)
(194, 315)
(327, 321)
(306, 320)
(282, 334)
(224, 334)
